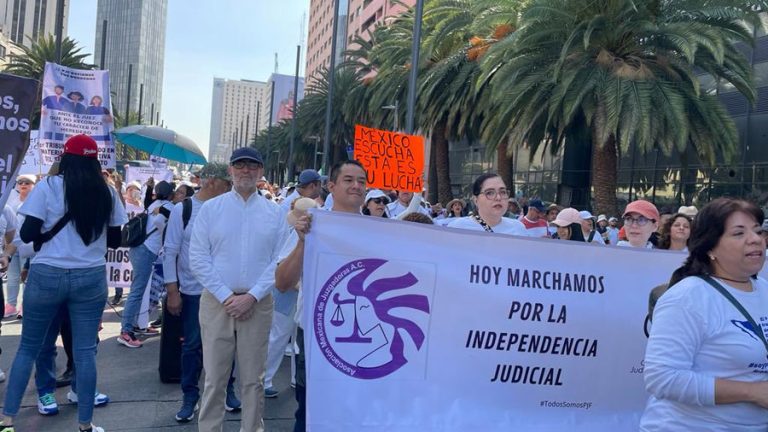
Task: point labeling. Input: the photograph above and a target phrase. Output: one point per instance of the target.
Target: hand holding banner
(392, 160)
(481, 331)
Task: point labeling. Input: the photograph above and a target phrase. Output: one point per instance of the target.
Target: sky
(233, 39)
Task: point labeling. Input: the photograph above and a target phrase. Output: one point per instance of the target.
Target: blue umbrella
(161, 142)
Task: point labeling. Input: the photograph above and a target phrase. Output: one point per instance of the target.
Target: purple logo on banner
(360, 324)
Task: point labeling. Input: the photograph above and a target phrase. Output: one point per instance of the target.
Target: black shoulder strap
(47, 236)
(186, 213)
(591, 236)
(758, 329)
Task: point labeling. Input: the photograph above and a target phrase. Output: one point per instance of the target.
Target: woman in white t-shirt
(68, 270)
(490, 197)
(706, 359)
(143, 258)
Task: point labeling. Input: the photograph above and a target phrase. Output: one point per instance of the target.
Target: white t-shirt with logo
(697, 335)
(66, 249)
(156, 225)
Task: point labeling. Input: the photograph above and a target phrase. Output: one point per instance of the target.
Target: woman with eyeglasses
(676, 232)
(24, 185)
(376, 204)
(641, 220)
(490, 196)
(706, 359)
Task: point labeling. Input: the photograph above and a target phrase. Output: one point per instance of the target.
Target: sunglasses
(379, 200)
(24, 182)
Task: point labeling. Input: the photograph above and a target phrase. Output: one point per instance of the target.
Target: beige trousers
(224, 337)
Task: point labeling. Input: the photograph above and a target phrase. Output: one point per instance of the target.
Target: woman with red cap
(641, 220)
(71, 218)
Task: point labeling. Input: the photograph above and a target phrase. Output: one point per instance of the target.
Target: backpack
(186, 214)
(135, 231)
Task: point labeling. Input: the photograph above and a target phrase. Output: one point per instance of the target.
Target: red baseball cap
(82, 145)
(643, 208)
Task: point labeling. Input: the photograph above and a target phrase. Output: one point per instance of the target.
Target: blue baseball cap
(308, 176)
(246, 153)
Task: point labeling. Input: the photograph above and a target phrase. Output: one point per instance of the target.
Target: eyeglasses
(379, 200)
(251, 165)
(640, 221)
(23, 182)
(493, 193)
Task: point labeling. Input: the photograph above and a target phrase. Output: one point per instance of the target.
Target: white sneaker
(2, 375)
(46, 405)
(99, 399)
(93, 429)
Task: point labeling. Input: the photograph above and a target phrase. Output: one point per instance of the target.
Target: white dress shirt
(176, 249)
(235, 244)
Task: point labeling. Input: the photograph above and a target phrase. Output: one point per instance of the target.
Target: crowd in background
(211, 279)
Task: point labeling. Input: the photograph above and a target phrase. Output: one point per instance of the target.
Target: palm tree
(626, 70)
(31, 61)
(348, 96)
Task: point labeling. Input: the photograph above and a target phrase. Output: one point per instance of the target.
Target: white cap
(602, 218)
(28, 177)
(375, 193)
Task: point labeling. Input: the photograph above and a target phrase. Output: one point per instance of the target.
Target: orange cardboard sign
(392, 160)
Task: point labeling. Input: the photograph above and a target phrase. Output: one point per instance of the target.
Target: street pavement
(139, 401)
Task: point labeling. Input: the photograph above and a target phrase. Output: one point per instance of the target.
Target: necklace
(731, 280)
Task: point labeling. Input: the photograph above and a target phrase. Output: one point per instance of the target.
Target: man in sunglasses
(236, 239)
(641, 219)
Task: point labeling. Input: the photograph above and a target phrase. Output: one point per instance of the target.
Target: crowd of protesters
(230, 247)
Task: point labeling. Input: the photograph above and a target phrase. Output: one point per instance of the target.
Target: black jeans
(301, 385)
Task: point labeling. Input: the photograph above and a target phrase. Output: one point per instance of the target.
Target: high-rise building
(135, 40)
(356, 18)
(319, 37)
(282, 102)
(24, 21)
(364, 14)
(236, 111)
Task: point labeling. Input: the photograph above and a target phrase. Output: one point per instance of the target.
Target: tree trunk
(504, 166)
(432, 174)
(604, 175)
(442, 163)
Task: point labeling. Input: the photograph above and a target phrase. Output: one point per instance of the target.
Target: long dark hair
(86, 195)
(706, 233)
(665, 241)
(576, 233)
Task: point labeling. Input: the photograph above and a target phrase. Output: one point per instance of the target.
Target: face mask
(135, 195)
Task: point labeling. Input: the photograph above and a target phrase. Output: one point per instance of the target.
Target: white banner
(410, 327)
(119, 270)
(142, 174)
(32, 163)
(75, 101)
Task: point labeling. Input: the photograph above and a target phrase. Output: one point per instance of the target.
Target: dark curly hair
(665, 241)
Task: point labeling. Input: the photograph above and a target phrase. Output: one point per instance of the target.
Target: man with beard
(235, 242)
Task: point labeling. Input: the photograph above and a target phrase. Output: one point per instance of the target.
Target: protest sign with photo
(392, 160)
(17, 97)
(419, 334)
(75, 101)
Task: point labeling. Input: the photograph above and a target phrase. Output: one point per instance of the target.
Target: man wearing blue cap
(236, 239)
(308, 187)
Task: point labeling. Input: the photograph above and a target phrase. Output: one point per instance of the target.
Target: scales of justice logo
(366, 326)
